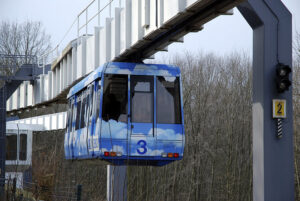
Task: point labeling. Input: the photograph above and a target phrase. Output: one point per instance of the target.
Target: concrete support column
(74, 63)
(116, 183)
(69, 70)
(97, 47)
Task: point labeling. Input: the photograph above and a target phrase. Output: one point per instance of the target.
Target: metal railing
(29, 191)
(87, 19)
(54, 53)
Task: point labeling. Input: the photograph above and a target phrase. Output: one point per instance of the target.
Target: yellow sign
(279, 108)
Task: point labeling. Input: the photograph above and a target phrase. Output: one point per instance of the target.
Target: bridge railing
(130, 32)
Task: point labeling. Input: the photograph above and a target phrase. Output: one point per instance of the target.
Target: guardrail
(88, 18)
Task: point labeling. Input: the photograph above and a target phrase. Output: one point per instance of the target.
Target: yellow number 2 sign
(279, 108)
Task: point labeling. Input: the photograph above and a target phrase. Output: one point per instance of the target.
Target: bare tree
(21, 43)
(28, 38)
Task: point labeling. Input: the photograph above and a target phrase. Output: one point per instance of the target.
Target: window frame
(83, 114)
(97, 98)
(104, 88)
(78, 107)
(91, 104)
(177, 79)
(8, 135)
(142, 78)
(26, 146)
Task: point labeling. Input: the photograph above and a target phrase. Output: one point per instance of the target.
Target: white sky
(222, 35)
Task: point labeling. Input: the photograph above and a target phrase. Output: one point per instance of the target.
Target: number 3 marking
(143, 144)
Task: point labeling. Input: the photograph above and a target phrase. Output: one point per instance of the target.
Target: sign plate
(279, 108)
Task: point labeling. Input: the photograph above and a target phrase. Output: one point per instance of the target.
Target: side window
(91, 103)
(23, 147)
(83, 110)
(168, 110)
(74, 113)
(11, 147)
(142, 98)
(69, 115)
(115, 98)
(97, 102)
(78, 107)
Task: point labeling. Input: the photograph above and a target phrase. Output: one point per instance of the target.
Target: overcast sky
(222, 35)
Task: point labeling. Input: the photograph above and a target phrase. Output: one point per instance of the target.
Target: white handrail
(85, 25)
(87, 20)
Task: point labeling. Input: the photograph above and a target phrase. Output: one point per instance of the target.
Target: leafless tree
(217, 162)
(28, 38)
(21, 43)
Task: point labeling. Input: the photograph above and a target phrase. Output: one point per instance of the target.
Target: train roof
(127, 69)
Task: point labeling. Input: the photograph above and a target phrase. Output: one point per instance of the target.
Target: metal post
(116, 183)
(6, 91)
(86, 22)
(14, 188)
(109, 181)
(78, 30)
(99, 13)
(79, 190)
(2, 140)
(110, 9)
(273, 160)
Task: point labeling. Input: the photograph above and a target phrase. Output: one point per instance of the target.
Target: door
(142, 115)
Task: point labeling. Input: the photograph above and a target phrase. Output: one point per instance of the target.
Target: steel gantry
(273, 158)
(14, 69)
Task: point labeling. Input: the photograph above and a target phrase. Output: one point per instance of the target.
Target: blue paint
(142, 143)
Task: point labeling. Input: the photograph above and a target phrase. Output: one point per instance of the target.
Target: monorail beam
(273, 160)
(188, 24)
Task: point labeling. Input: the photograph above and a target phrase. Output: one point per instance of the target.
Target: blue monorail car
(127, 114)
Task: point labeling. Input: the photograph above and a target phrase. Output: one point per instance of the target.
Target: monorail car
(127, 114)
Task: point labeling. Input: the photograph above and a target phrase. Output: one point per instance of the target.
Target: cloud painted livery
(127, 114)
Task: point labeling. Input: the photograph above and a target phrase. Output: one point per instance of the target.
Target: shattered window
(69, 115)
(90, 104)
(78, 107)
(83, 109)
(115, 98)
(168, 100)
(98, 99)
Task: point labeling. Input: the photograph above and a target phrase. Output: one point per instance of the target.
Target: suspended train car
(127, 114)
